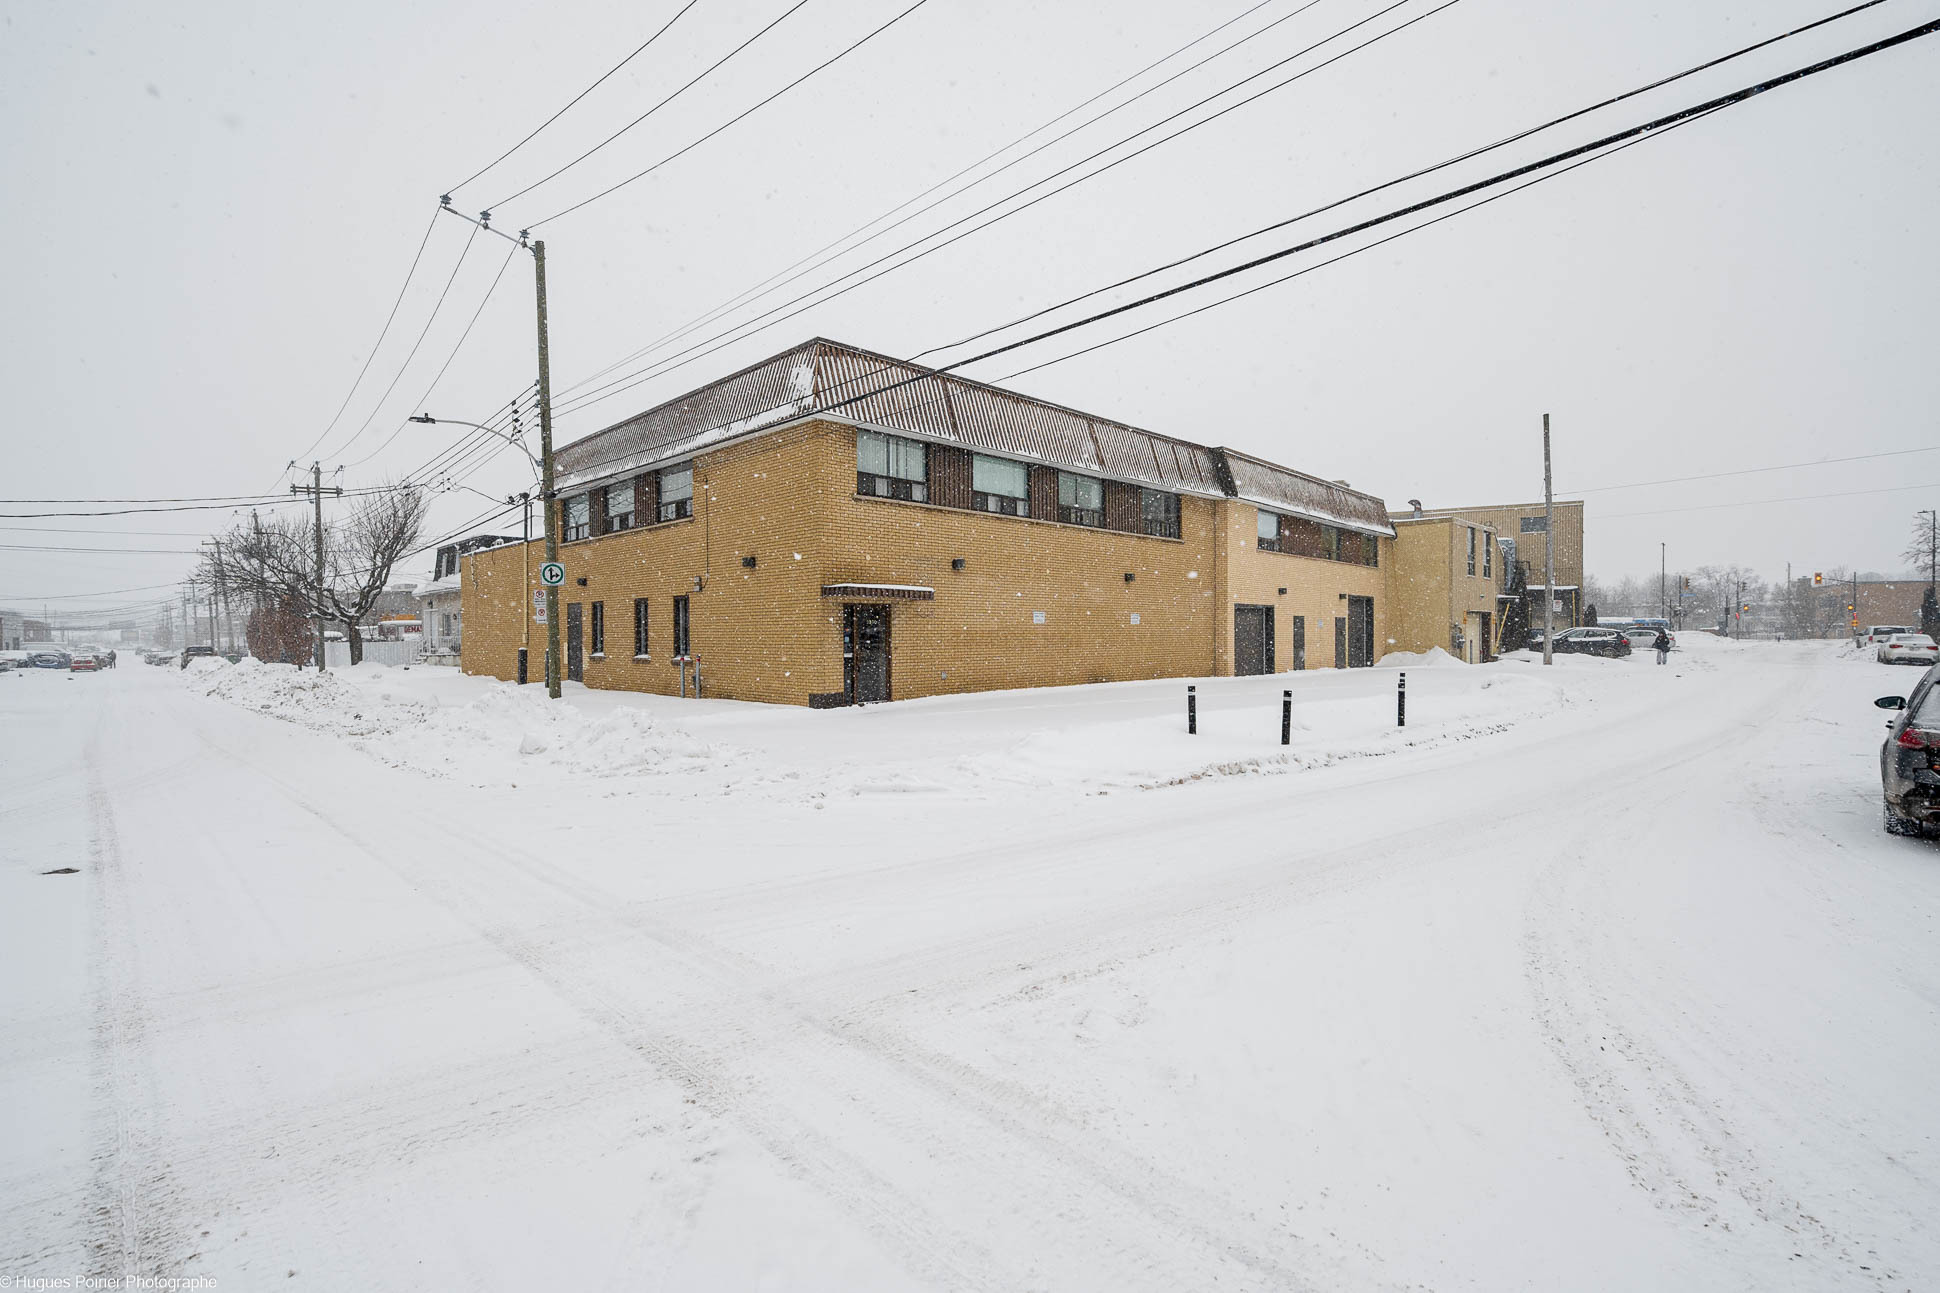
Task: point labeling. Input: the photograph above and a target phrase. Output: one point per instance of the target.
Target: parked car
(1643, 637)
(1909, 761)
(1908, 648)
(48, 659)
(197, 653)
(82, 662)
(1588, 641)
(159, 657)
(1874, 634)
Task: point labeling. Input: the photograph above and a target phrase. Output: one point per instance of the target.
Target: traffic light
(1818, 580)
(1745, 609)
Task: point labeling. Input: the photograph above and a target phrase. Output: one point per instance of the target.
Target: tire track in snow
(1674, 1141)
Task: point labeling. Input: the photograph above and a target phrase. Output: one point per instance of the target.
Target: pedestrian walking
(1663, 646)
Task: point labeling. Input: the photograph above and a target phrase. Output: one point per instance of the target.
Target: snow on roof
(911, 592)
(1282, 489)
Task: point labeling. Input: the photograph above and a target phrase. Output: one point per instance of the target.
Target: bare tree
(359, 555)
(1922, 555)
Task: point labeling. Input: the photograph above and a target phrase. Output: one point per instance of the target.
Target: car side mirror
(1891, 702)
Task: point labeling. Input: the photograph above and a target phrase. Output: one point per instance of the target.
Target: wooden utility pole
(545, 474)
(315, 487)
(1549, 553)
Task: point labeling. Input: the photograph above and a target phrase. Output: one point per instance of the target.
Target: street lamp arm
(506, 436)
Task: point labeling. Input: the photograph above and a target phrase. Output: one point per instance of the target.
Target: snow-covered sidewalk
(1596, 976)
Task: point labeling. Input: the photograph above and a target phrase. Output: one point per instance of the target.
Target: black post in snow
(1286, 718)
(1401, 700)
(1192, 711)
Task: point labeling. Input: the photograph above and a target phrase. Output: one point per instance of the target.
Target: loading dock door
(1252, 640)
(865, 653)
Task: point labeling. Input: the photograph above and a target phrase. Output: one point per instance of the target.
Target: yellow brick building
(1442, 586)
(832, 526)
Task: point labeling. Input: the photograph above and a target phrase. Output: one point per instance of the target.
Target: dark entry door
(1488, 637)
(1300, 642)
(1252, 640)
(575, 651)
(1360, 632)
(865, 653)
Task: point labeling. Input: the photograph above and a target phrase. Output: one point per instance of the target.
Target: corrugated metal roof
(1283, 489)
(821, 377)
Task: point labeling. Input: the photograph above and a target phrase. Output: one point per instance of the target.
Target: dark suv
(197, 653)
(1589, 641)
(1909, 762)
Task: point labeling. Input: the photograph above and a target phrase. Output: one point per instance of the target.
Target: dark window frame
(640, 618)
(1535, 525)
(1072, 513)
(683, 626)
(571, 531)
(1259, 527)
(678, 509)
(907, 489)
(1167, 524)
(597, 633)
(1000, 504)
(1471, 551)
(623, 520)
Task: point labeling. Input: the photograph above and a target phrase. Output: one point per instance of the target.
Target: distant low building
(440, 599)
(1525, 526)
(13, 630)
(1444, 586)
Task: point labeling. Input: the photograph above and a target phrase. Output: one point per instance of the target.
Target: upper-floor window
(890, 466)
(1535, 525)
(1488, 556)
(1330, 544)
(579, 518)
(676, 492)
(1000, 485)
(1471, 549)
(1081, 499)
(1268, 531)
(447, 562)
(1160, 512)
(619, 506)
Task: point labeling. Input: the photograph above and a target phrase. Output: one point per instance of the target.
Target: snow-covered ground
(1600, 976)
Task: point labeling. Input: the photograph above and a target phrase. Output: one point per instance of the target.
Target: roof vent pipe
(1416, 504)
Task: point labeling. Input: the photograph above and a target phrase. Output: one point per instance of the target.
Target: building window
(1159, 512)
(681, 644)
(639, 628)
(1081, 499)
(1535, 525)
(677, 492)
(578, 518)
(999, 485)
(1370, 550)
(1268, 531)
(619, 506)
(890, 466)
(1488, 556)
(1471, 550)
(599, 628)
(1330, 542)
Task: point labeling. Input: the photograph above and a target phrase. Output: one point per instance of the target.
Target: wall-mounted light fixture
(1283, 592)
(1129, 576)
(581, 581)
(747, 563)
(957, 563)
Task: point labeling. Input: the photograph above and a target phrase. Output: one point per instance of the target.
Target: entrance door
(1360, 632)
(865, 653)
(1252, 640)
(575, 652)
(1300, 642)
(1488, 637)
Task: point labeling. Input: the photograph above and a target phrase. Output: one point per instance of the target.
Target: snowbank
(1432, 658)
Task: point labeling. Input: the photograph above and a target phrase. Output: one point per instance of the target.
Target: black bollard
(1401, 701)
(1192, 711)
(1286, 718)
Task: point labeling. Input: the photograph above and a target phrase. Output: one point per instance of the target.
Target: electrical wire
(1763, 502)
(773, 316)
(430, 319)
(1750, 471)
(383, 332)
(119, 552)
(1413, 175)
(817, 256)
(819, 67)
(192, 507)
(650, 111)
(575, 99)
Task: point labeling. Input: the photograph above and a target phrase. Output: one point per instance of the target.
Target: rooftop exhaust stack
(1416, 504)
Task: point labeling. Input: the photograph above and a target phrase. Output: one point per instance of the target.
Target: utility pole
(524, 497)
(315, 487)
(1549, 553)
(545, 472)
(1663, 597)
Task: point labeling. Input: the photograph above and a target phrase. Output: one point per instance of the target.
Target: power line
(84, 529)
(61, 597)
(773, 316)
(383, 332)
(120, 552)
(206, 498)
(438, 305)
(575, 99)
(1762, 502)
(817, 256)
(1750, 471)
(1657, 124)
(192, 507)
(736, 118)
(1413, 175)
(650, 111)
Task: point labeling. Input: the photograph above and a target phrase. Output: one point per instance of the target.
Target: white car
(1908, 648)
(1875, 634)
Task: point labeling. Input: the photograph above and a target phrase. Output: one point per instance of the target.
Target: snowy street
(1597, 977)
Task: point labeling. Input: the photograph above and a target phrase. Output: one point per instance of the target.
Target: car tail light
(1913, 740)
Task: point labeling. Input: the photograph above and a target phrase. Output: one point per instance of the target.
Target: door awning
(902, 592)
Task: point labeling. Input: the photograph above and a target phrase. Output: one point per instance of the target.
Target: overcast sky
(209, 209)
